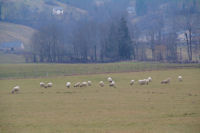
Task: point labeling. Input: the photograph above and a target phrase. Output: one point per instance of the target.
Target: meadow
(11, 58)
(153, 108)
(52, 70)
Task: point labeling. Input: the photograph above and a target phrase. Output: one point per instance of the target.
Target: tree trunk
(190, 43)
(188, 47)
(34, 58)
(181, 54)
(153, 46)
(136, 51)
(95, 52)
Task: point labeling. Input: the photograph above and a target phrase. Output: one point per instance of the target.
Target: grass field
(43, 70)
(11, 58)
(156, 108)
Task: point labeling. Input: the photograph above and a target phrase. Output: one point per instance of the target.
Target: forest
(110, 30)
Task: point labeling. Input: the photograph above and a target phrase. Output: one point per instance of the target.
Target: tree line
(106, 35)
(90, 42)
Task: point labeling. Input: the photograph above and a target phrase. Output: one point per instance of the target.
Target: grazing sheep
(143, 82)
(180, 78)
(89, 83)
(68, 84)
(77, 84)
(147, 81)
(83, 84)
(112, 84)
(109, 79)
(132, 82)
(42, 84)
(45, 86)
(101, 83)
(166, 81)
(15, 89)
(49, 84)
(150, 79)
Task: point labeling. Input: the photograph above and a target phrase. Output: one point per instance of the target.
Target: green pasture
(46, 70)
(156, 108)
(11, 58)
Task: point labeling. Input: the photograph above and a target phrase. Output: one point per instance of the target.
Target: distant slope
(32, 12)
(28, 12)
(14, 32)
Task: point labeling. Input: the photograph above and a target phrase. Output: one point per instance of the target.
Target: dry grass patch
(154, 108)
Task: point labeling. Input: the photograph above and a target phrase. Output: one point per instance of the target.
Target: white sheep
(112, 84)
(49, 84)
(109, 79)
(143, 82)
(166, 81)
(180, 78)
(150, 79)
(132, 82)
(15, 89)
(77, 84)
(147, 81)
(68, 84)
(45, 86)
(89, 83)
(101, 83)
(83, 84)
(42, 84)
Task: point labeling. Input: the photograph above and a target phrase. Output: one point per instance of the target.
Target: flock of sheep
(101, 83)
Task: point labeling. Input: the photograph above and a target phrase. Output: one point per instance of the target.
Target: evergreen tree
(111, 47)
(124, 41)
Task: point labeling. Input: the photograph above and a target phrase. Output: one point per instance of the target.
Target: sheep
(147, 81)
(150, 79)
(49, 84)
(45, 86)
(42, 84)
(180, 78)
(83, 84)
(112, 84)
(89, 83)
(77, 84)
(101, 83)
(143, 82)
(166, 81)
(132, 82)
(109, 79)
(15, 89)
(68, 84)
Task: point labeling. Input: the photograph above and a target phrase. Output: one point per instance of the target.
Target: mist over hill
(14, 32)
(106, 30)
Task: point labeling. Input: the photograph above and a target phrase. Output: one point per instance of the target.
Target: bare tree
(189, 19)
(47, 44)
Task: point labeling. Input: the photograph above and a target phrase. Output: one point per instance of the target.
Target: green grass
(11, 58)
(42, 70)
(155, 108)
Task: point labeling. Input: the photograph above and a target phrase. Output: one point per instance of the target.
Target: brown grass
(154, 108)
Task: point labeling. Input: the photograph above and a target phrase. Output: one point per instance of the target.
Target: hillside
(14, 32)
(36, 13)
(29, 15)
